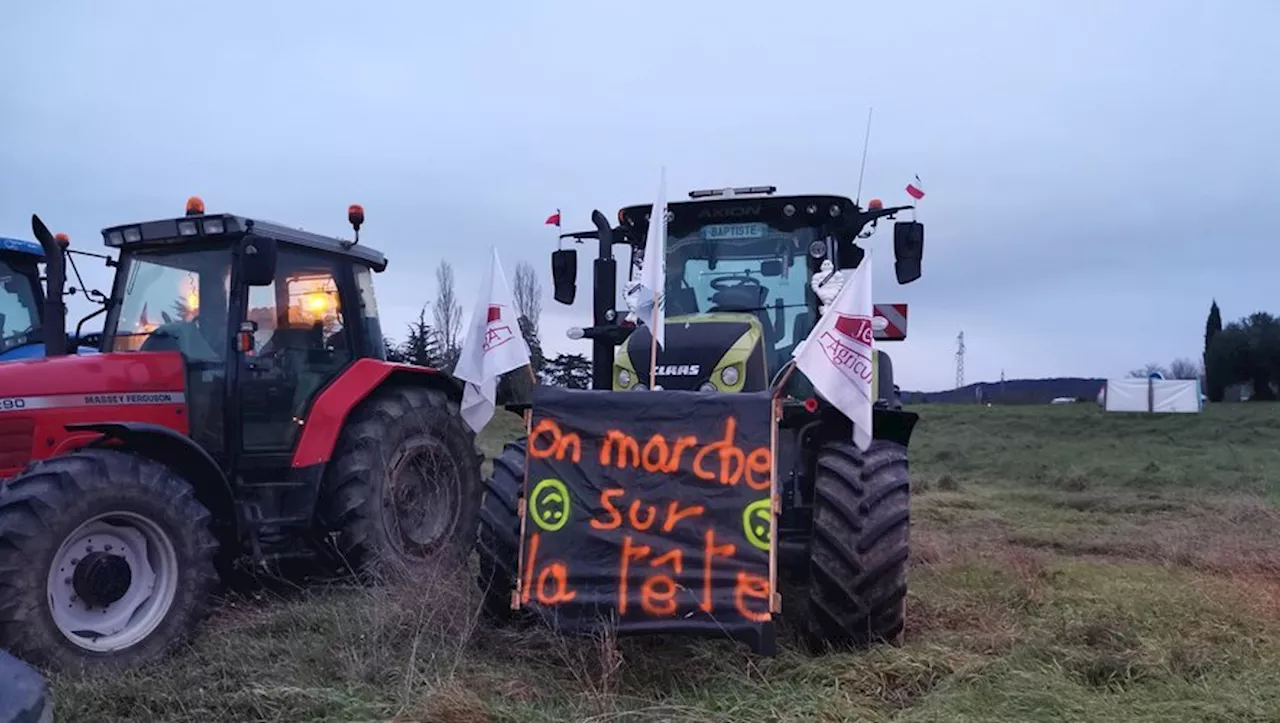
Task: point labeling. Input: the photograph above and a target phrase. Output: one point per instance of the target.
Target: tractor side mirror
(258, 260)
(564, 274)
(771, 267)
(908, 249)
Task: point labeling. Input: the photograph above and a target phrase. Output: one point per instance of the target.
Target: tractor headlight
(213, 226)
(186, 228)
(115, 238)
(132, 235)
(624, 378)
(708, 387)
(730, 375)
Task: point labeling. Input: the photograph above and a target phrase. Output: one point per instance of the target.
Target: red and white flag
(915, 189)
(553, 219)
(836, 356)
(493, 347)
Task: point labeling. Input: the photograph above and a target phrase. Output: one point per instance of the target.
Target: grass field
(1068, 565)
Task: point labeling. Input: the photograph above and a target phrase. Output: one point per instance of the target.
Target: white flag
(493, 347)
(836, 356)
(650, 293)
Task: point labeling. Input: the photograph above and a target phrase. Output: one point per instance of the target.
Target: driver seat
(750, 300)
(739, 298)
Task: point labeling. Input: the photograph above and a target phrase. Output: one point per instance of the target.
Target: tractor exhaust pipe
(55, 312)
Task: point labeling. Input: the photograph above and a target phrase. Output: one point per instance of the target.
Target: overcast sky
(1096, 171)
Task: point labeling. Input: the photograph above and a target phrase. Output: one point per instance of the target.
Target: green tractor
(744, 269)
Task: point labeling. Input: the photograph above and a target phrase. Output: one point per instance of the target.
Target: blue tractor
(22, 301)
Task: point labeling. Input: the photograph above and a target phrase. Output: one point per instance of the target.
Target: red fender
(329, 412)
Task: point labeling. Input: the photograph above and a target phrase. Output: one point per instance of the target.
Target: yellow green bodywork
(739, 353)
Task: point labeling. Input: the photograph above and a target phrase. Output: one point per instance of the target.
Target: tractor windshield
(749, 268)
(19, 305)
(172, 300)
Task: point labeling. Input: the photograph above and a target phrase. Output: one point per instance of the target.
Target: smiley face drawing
(757, 523)
(549, 505)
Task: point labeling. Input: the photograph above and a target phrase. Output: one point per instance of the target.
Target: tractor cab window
(173, 300)
(19, 307)
(764, 275)
(374, 346)
(300, 344)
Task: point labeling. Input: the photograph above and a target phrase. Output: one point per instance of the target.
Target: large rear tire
(106, 560)
(498, 542)
(403, 486)
(858, 559)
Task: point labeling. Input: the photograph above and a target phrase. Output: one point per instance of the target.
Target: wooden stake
(520, 510)
(777, 391)
(775, 506)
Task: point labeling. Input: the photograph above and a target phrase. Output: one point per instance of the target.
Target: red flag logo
(856, 328)
(497, 333)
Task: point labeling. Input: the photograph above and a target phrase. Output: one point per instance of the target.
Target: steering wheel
(743, 281)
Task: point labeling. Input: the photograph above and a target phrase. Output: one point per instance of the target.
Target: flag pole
(866, 142)
(653, 347)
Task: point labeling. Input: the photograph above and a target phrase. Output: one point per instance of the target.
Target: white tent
(1152, 395)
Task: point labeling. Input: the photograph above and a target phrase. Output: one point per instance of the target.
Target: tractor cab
(22, 301)
(21, 298)
(743, 267)
(264, 316)
(241, 419)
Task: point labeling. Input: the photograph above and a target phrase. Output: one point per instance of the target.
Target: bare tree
(528, 295)
(1184, 369)
(1148, 370)
(447, 313)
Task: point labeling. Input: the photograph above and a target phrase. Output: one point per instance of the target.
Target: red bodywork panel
(38, 397)
(324, 422)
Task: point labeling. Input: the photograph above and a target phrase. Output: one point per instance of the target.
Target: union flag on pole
(915, 189)
(837, 354)
(493, 347)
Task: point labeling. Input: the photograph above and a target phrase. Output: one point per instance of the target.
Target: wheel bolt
(67, 580)
(107, 548)
(75, 561)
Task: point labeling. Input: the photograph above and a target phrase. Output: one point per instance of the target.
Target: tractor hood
(91, 380)
(702, 351)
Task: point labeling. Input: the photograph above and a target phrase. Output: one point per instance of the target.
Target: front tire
(858, 558)
(106, 560)
(403, 486)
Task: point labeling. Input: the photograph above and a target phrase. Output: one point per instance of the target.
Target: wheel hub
(102, 578)
(112, 581)
(423, 498)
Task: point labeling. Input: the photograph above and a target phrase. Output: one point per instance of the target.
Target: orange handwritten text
(720, 460)
(634, 517)
(558, 444)
(657, 591)
(755, 587)
(554, 575)
(709, 553)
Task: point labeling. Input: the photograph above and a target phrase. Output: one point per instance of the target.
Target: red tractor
(242, 409)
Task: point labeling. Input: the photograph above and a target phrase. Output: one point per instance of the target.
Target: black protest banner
(651, 511)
